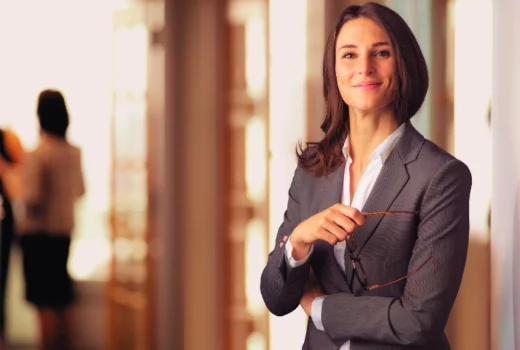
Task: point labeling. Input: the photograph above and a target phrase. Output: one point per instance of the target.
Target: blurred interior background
(188, 114)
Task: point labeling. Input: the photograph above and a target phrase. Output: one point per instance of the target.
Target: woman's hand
(332, 225)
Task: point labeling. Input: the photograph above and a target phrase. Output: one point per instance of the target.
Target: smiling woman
(368, 46)
(381, 281)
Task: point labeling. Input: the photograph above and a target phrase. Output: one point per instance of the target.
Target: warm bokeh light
(255, 247)
(255, 45)
(255, 159)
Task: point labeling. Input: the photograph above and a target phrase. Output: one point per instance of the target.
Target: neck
(367, 131)
(45, 136)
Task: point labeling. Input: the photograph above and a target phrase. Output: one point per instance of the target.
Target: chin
(368, 107)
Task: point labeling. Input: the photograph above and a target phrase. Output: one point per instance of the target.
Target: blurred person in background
(53, 180)
(11, 156)
(374, 239)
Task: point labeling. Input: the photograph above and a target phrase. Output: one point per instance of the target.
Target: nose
(365, 66)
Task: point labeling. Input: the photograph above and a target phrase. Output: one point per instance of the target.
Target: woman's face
(365, 66)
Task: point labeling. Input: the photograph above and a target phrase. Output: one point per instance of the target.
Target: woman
(53, 181)
(11, 156)
(377, 215)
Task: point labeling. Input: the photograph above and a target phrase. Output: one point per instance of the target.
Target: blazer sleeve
(420, 315)
(281, 285)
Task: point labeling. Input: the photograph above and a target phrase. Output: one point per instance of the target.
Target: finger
(333, 228)
(326, 236)
(352, 213)
(347, 224)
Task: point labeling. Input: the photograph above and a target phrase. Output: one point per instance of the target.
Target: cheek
(343, 75)
(345, 79)
(387, 70)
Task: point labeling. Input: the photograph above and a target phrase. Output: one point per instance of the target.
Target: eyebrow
(352, 46)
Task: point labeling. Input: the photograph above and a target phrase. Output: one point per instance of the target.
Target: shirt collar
(383, 150)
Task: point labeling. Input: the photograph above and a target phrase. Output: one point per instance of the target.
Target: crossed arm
(421, 313)
(282, 286)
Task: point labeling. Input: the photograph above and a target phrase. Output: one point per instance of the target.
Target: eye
(348, 55)
(383, 53)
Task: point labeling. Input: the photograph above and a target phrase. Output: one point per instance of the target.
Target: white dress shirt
(377, 160)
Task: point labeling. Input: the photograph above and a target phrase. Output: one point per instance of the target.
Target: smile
(368, 85)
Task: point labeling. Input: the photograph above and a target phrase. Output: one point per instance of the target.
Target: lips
(368, 84)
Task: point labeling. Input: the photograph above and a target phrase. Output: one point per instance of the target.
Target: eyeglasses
(359, 271)
(378, 213)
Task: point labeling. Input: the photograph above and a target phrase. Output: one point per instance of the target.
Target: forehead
(361, 32)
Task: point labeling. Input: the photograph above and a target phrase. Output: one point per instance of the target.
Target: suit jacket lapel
(390, 182)
(388, 185)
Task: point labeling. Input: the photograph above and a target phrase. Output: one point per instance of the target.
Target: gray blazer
(417, 176)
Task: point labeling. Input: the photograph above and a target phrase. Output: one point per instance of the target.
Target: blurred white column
(472, 67)
(472, 98)
(287, 125)
(505, 242)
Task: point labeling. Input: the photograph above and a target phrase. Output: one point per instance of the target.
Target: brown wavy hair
(411, 74)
